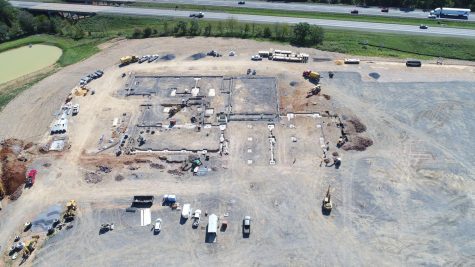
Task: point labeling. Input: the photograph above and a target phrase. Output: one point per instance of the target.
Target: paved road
(362, 26)
(375, 11)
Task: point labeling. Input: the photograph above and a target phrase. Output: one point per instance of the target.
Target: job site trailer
(212, 229)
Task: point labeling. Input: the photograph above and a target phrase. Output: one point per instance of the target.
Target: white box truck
(186, 211)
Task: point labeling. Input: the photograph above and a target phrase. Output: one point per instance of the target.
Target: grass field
(312, 15)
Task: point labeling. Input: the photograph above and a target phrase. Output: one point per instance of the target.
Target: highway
(334, 24)
(325, 8)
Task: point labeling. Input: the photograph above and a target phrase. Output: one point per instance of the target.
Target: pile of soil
(157, 166)
(327, 97)
(198, 56)
(168, 57)
(13, 167)
(358, 143)
(92, 178)
(119, 177)
(175, 172)
(357, 125)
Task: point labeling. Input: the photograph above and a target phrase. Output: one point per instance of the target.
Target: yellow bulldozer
(127, 60)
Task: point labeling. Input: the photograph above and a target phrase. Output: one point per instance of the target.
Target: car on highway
(241, 3)
(385, 9)
(197, 15)
(354, 11)
(256, 58)
(432, 16)
(423, 27)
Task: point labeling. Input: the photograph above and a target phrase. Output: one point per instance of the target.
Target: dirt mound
(157, 166)
(92, 178)
(175, 172)
(358, 143)
(358, 126)
(13, 167)
(198, 56)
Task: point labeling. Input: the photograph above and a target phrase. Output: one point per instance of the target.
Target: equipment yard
(352, 165)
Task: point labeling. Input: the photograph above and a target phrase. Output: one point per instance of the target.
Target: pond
(21, 61)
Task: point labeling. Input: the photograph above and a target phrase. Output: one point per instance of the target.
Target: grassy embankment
(313, 15)
(73, 51)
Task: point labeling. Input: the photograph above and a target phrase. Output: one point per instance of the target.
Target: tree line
(302, 34)
(15, 23)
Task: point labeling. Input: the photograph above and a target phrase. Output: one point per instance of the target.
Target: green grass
(73, 51)
(343, 41)
(312, 15)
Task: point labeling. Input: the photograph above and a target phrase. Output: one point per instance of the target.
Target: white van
(186, 211)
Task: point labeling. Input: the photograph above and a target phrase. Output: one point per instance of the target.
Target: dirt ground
(406, 200)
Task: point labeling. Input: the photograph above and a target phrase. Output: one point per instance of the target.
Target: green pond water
(17, 62)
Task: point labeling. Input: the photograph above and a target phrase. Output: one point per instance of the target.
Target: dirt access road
(407, 200)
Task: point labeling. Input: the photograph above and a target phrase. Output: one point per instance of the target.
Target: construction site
(251, 154)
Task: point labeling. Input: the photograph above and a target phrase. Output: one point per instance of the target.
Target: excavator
(327, 203)
(70, 213)
(30, 246)
(314, 91)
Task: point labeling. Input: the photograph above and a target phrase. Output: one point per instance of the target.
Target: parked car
(385, 9)
(354, 11)
(158, 226)
(241, 3)
(423, 27)
(256, 58)
(432, 16)
(144, 58)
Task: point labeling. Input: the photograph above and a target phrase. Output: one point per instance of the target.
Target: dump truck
(127, 60)
(311, 75)
(30, 179)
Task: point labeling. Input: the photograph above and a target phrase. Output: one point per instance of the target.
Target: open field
(406, 200)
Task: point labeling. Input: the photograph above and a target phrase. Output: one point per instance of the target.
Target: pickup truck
(246, 225)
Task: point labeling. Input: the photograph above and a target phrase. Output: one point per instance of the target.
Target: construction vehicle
(327, 202)
(196, 218)
(311, 75)
(30, 246)
(314, 91)
(128, 60)
(30, 179)
(106, 227)
(70, 213)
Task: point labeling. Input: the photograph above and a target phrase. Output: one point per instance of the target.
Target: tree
(231, 24)
(27, 22)
(208, 30)
(285, 32)
(44, 25)
(247, 28)
(166, 31)
(147, 32)
(4, 33)
(267, 32)
(301, 32)
(180, 28)
(138, 33)
(220, 28)
(278, 30)
(194, 28)
(316, 35)
(7, 13)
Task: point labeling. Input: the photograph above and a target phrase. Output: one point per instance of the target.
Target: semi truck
(447, 12)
